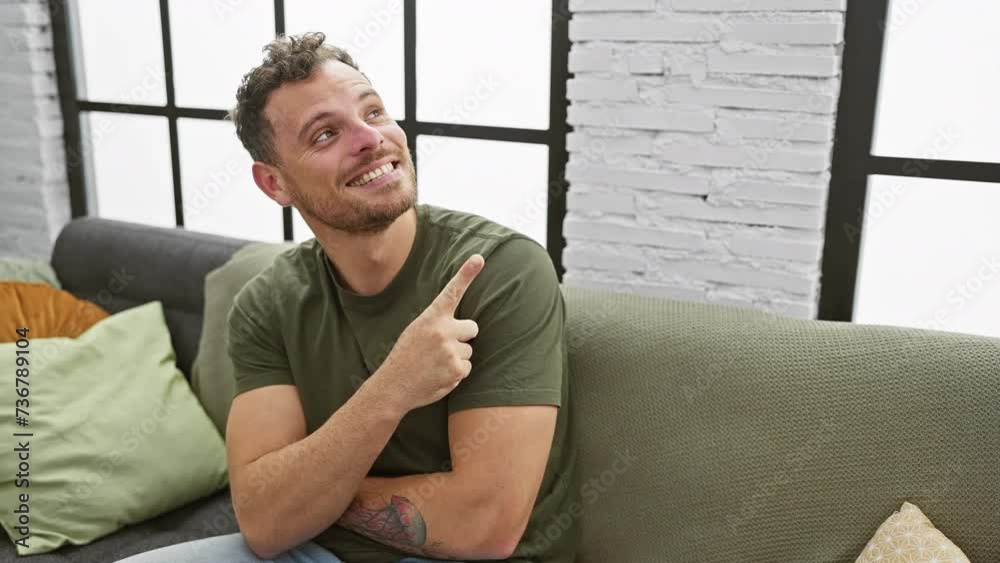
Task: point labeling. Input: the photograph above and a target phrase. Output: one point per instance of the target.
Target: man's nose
(364, 137)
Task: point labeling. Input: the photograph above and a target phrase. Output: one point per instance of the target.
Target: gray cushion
(208, 517)
(119, 265)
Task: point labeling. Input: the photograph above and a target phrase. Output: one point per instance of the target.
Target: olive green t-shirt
(296, 324)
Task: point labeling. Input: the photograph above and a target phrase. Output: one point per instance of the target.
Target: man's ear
(271, 181)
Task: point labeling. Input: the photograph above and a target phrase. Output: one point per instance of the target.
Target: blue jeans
(233, 549)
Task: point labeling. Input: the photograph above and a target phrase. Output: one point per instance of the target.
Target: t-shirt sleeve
(518, 356)
(255, 345)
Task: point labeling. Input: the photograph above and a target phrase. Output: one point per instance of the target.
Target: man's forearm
(437, 515)
(300, 490)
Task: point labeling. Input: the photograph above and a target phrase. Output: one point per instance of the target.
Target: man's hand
(431, 356)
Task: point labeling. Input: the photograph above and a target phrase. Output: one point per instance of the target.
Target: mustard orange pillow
(47, 312)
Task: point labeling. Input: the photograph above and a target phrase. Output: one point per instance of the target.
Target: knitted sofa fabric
(762, 438)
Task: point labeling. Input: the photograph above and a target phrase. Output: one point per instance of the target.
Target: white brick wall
(700, 151)
(33, 184)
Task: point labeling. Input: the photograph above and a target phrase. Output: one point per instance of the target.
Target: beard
(350, 213)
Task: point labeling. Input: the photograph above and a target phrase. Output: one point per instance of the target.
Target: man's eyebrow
(305, 128)
(366, 93)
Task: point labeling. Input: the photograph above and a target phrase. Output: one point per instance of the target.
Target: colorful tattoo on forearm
(397, 522)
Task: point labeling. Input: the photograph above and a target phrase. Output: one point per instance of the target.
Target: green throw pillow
(212, 372)
(28, 270)
(117, 437)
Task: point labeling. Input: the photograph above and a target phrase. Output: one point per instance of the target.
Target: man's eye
(375, 113)
(324, 132)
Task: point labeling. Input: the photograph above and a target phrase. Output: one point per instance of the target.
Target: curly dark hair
(288, 59)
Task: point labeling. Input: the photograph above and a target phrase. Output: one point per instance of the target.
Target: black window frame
(554, 137)
(853, 161)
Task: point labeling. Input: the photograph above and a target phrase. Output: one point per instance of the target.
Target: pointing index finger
(453, 292)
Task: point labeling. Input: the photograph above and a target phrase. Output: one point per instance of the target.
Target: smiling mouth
(371, 175)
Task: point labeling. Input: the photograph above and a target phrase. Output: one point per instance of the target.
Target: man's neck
(367, 263)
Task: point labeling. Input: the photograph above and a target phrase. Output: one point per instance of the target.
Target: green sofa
(762, 438)
(706, 433)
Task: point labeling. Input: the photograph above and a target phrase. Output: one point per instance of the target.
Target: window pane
(120, 63)
(940, 81)
(484, 62)
(220, 195)
(130, 174)
(370, 30)
(300, 231)
(215, 44)
(502, 181)
(930, 254)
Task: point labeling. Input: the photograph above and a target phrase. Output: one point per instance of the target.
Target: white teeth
(384, 169)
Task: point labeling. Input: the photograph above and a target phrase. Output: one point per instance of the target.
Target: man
(402, 389)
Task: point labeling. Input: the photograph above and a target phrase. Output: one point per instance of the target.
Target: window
(474, 175)
(145, 107)
(912, 237)
(930, 256)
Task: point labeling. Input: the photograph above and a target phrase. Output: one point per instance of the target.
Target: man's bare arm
(480, 509)
(288, 487)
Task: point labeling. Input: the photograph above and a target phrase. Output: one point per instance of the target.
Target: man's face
(344, 161)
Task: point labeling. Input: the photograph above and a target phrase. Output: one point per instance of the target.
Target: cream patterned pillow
(909, 537)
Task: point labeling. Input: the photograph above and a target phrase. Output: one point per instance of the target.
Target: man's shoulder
(452, 223)
(463, 234)
(518, 270)
(284, 273)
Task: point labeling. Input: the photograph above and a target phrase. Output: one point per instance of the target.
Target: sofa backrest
(705, 432)
(119, 265)
(714, 433)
